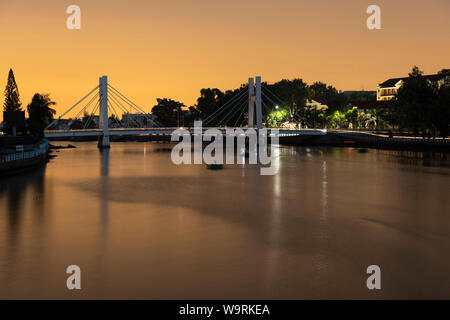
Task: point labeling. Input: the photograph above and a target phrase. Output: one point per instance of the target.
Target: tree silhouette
(168, 112)
(421, 105)
(12, 100)
(40, 114)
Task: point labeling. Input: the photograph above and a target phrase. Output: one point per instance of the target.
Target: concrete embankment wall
(368, 140)
(21, 161)
(22, 165)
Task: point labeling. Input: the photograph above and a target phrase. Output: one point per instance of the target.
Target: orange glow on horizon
(171, 49)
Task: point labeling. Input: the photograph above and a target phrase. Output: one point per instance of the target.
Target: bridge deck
(166, 131)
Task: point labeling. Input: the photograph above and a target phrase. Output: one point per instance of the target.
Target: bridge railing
(184, 128)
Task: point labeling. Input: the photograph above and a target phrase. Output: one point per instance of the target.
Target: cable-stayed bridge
(104, 104)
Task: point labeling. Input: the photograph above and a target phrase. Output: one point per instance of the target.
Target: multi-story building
(388, 89)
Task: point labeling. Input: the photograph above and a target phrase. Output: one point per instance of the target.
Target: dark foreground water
(141, 227)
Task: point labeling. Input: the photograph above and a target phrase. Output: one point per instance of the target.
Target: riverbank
(30, 157)
(332, 138)
(343, 138)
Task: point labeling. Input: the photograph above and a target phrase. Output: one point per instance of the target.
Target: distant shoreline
(333, 138)
(346, 138)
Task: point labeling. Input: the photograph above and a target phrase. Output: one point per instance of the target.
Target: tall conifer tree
(12, 100)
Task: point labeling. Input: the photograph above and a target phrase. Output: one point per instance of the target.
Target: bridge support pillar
(251, 103)
(254, 100)
(103, 142)
(258, 103)
(103, 123)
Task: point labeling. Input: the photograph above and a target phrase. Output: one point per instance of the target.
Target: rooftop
(393, 81)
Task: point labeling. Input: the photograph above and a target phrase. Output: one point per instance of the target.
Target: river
(141, 227)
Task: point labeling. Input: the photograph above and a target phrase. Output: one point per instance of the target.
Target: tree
(275, 118)
(412, 107)
(12, 100)
(441, 110)
(294, 93)
(337, 120)
(40, 114)
(352, 116)
(168, 112)
(335, 100)
(209, 101)
(446, 74)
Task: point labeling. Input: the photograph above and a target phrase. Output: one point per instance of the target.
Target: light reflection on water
(141, 227)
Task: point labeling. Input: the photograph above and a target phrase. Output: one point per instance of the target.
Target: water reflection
(275, 223)
(322, 234)
(141, 227)
(104, 204)
(17, 193)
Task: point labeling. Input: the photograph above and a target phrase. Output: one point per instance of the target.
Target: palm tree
(40, 114)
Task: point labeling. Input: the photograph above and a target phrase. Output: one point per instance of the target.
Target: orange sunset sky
(173, 48)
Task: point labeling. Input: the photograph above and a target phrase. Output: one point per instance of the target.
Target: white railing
(16, 156)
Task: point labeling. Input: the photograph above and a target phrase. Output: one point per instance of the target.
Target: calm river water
(140, 227)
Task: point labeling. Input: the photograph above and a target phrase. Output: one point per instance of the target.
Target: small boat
(215, 166)
(363, 150)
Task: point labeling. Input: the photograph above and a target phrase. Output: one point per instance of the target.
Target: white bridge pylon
(103, 141)
(105, 99)
(254, 100)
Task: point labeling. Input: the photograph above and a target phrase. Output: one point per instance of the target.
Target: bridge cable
(271, 101)
(239, 105)
(241, 115)
(225, 118)
(115, 113)
(56, 120)
(273, 94)
(113, 96)
(88, 104)
(133, 104)
(124, 111)
(92, 115)
(243, 107)
(301, 118)
(128, 114)
(225, 106)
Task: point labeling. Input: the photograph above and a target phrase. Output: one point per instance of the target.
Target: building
(138, 120)
(387, 90)
(317, 103)
(369, 105)
(359, 93)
